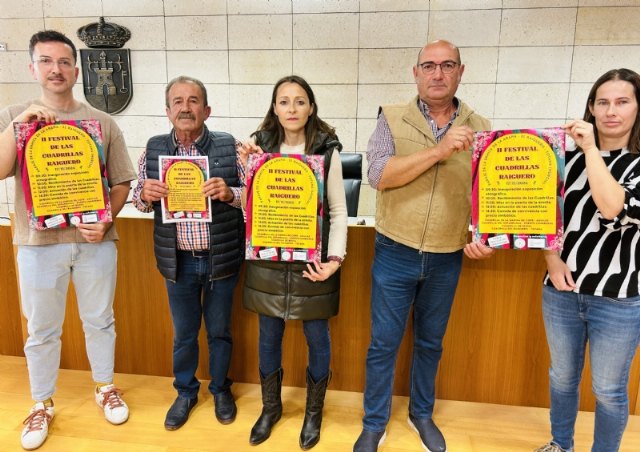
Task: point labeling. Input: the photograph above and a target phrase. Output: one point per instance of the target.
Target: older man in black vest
(199, 260)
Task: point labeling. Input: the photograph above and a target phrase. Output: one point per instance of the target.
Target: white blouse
(337, 245)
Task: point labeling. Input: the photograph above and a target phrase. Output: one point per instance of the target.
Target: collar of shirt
(192, 150)
(438, 132)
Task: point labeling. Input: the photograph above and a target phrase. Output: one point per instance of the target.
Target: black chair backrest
(352, 175)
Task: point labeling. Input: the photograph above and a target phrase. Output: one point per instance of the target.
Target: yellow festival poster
(518, 187)
(63, 173)
(185, 176)
(284, 207)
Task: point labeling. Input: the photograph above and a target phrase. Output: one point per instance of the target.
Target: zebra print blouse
(603, 255)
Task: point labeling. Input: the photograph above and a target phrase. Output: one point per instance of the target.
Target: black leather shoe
(225, 407)
(369, 441)
(430, 435)
(179, 412)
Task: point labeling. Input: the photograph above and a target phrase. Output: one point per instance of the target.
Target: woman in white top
(280, 291)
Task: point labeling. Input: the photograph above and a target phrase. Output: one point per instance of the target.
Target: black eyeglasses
(447, 67)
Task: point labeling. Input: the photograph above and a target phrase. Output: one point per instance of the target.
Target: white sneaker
(115, 410)
(36, 426)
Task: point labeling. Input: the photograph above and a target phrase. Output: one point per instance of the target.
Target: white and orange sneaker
(109, 399)
(36, 426)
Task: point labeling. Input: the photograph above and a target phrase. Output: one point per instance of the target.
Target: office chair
(352, 175)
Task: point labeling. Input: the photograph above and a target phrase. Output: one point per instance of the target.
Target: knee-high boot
(310, 434)
(271, 386)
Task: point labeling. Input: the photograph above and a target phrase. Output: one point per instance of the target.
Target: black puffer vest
(277, 289)
(227, 226)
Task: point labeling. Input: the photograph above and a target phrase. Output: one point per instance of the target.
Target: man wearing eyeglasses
(48, 259)
(420, 165)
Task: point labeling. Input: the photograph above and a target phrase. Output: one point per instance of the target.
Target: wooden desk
(495, 350)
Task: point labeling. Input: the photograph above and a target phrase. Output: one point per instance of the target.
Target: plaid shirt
(190, 235)
(381, 146)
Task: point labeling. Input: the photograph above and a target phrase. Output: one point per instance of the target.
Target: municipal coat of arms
(106, 67)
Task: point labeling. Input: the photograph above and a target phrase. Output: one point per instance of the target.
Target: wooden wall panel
(495, 346)
(143, 320)
(495, 349)
(10, 326)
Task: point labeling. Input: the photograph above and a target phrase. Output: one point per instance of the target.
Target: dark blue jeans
(191, 298)
(403, 277)
(611, 329)
(318, 341)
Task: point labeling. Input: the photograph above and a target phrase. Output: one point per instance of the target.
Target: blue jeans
(612, 329)
(318, 342)
(403, 277)
(192, 297)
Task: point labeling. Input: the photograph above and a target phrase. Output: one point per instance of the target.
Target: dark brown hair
(314, 124)
(626, 75)
(51, 36)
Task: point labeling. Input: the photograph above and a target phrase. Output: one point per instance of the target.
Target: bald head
(437, 84)
(441, 43)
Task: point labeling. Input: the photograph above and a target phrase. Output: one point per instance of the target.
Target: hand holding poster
(284, 207)
(64, 177)
(185, 177)
(518, 188)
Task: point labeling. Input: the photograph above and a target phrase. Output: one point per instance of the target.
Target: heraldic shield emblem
(106, 68)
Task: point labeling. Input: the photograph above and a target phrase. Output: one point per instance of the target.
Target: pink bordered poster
(284, 207)
(518, 188)
(64, 176)
(185, 176)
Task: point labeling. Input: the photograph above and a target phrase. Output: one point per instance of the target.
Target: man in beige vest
(419, 161)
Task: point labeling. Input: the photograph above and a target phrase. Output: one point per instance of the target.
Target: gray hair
(185, 79)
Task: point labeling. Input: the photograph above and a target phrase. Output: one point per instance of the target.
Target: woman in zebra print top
(591, 291)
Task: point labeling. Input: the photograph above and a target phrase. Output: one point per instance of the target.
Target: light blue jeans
(45, 272)
(611, 327)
